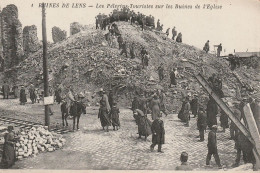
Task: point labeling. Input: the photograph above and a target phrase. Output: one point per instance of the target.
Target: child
(115, 116)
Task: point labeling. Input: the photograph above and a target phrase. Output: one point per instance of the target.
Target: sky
(236, 25)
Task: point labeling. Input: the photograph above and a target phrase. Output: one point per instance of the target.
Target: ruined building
(30, 40)
(75, 28)
(11, 37)
(58, 34)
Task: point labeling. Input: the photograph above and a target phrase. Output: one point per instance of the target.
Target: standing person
(168, 32)
(158, 134)
(50, 94)
(194, 104)
(173, 78)
(15, 90)
(32, 93)
(155, 106)
(219, 50)
(111, 99)
(143, 23)
(184, 165)
(202, 123)
(223, 120)
(179, 38)
(162, 98)
(23, 99)
(161, 72)
(5, 90)
(174, 33)
(132, 51)
(158, 24)
(96, 22)
(143, 123)
(186, 112)
(233, 128)
(8, 158)
(120, 41)
(104, 110)
(143, 104)
(115, 116)
(70, 98)
(57, 95)
(212, 111)
(124, 47)
(206, 47)
(212, 146)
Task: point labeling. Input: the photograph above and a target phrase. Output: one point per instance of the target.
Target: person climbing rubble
(206, 47)
(124, 47)
(120, 41)
(179, 38)
(174, 33)
(173, 78)
(167, 32)
(219, 50)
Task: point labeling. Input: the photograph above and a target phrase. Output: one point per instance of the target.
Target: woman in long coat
(144, 124)
(212, 111)
(23, 99)
(155, 106)
(8, 158)
(104, 110)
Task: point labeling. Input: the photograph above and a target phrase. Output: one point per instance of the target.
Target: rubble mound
(87, 62)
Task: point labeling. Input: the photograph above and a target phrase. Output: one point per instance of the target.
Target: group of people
(206, 48)
(174, 33)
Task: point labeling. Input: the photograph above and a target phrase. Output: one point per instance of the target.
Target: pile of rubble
(86, 60)
(35, 140)
(58, 34)
(30, 40)
(75, 28)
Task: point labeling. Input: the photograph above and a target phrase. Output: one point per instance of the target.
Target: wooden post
(45, 65)
(252, 126)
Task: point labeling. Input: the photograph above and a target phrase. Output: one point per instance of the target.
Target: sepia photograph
(170, 85)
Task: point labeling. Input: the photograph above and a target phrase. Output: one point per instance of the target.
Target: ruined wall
(75, 28)
(12, 36)
(58, 34)
(30, 40)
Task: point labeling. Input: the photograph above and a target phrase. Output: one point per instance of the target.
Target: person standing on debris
(5, 90)
(158, 132)
(194, 104)
(223, 120)
(212, 146)
(174, 33)
(161, 72)
(104, 110)
(124, 47)
(114, 114)
(32, 93)
(8, 157)
(179, 38)
(155, 107)
(173, 78)
(143, 123)
(167, 32)
(212, 111)
(132, 51)
(23, 99)
(158, 24)
(184, 165)
(143, 23)
(206, 47)
(96, 22)
(120, 41)
(219, 50)
(201, 123)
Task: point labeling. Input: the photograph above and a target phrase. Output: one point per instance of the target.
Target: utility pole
(45, 65)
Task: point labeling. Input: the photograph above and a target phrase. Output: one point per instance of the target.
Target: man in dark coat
(23, 99)
(206, 47)
(143, 104)
(174, 33)
(161, 72)
(124, 47)
(111, 98)
(186, 112)
(212, 146)
(223, 120)
(5, 90)
(104, 110)
(179, 38)
(143, 123)
(120, 41)
(194, 104)
(173, 78)
(32, 93)
(168, 32)
(115, 116)
(158, 134)
(202, 123)
(219, 50)
(184, 165)
(212, 111)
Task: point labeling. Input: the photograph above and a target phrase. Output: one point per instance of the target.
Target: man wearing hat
(201, 123)
(104, 110)
(194, 104)
(212, 146)
(184, 165)
(173, 78)
(8, 158)
(23, 99)
(206, 47)
(158, 134)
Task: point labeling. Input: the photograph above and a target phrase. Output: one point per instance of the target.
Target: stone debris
(58, 34)
(36, 140)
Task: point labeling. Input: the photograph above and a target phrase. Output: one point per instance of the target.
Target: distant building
(247, 54)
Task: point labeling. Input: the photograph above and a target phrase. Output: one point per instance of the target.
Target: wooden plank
(252, 126)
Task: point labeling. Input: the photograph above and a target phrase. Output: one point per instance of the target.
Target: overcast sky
(236, 25)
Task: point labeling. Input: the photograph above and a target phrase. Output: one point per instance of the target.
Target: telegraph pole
(45, 65)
